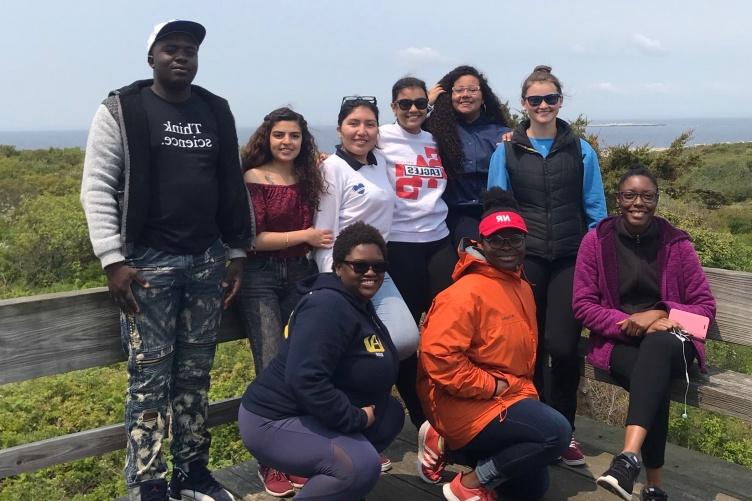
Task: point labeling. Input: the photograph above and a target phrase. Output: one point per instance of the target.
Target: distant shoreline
(626, 124)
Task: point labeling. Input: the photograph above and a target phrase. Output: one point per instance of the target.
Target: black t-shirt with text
(184, 162)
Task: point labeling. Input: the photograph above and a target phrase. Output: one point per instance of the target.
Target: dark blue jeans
(267, 297)
(170, 345)
(341, 466)
(513, 455)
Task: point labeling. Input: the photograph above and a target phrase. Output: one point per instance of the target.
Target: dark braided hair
(257, 152)
(443, 120)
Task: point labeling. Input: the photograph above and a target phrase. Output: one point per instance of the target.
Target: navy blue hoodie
(338, 358)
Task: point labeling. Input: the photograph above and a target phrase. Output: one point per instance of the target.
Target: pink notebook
(695, 325)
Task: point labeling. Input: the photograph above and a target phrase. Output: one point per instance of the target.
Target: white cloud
(607, 87)
(657, 87)
(647, 44)
(418, 55)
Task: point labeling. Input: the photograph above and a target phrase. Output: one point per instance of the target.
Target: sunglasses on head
(405, 104)
(361, 267)
(365, 99)
(550, 99)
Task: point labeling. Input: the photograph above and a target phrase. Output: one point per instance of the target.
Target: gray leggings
(340, 466)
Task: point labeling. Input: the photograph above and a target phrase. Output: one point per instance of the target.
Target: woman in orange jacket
(477, 356)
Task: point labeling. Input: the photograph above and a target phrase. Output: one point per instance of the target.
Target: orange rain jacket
(480, 329)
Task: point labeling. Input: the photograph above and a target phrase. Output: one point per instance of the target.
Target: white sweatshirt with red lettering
(418, 177)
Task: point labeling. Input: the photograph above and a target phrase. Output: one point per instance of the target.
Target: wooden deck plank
(689, 475)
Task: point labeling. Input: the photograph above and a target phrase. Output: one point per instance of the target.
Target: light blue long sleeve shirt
(593, 198)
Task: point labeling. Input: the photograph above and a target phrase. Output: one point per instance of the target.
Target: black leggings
(646, 371)
(558, 332)
(420, 271)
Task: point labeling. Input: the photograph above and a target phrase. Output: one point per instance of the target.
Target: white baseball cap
(161, 30)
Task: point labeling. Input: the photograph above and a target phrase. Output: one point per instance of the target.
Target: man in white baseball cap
(167, 209)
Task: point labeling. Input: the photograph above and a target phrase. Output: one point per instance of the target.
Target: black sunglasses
(361, 267)
(550, 99)
(405, 104)
(366, 99)
(498, 242)
(647, 197)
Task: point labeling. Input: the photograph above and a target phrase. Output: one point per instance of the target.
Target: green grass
(56, 405)
(725, 168)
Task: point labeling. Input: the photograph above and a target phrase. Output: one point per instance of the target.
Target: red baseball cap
(500, 220)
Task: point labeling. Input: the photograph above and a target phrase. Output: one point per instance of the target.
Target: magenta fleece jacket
(596, 289)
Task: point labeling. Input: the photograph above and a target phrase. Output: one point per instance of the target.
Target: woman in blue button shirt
(555, 177)
(467, 122)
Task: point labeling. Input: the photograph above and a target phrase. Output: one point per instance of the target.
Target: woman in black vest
(556, 180)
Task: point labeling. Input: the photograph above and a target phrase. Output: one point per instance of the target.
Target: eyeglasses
(472, 89)
(498, 242)
(550, 99)
(361, 267)
(366, 99)
(648, 197)
(420, 103)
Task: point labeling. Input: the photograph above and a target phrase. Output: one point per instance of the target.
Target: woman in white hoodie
(358, 189)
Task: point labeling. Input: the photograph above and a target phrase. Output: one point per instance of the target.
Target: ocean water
(652, 132)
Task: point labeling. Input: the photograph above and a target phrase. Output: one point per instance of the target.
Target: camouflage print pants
(170, 345)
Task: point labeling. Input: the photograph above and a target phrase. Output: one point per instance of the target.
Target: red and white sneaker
(431, 457)
(386, 463)
(455, 491)
(573, 455)
(297, 481)
(275, 482)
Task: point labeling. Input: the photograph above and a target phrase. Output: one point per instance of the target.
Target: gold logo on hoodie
(373, 344)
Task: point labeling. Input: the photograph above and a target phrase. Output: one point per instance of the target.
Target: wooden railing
(57, 333)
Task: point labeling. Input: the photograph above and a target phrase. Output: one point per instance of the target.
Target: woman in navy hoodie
(322, 409)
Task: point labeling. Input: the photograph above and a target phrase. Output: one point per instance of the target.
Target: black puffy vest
(549, 191)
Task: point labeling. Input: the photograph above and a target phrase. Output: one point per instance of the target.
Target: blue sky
(617, 59)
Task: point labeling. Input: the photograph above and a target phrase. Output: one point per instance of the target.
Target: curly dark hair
(497, 199)
(443, 120)
(356, 234)
(637, 169)
(257, 152)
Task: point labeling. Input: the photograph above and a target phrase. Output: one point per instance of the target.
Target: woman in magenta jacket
(631, 271)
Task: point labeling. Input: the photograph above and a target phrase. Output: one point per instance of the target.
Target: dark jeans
(420, 271)
(463, 223)
(170, 344)
(513, 455)
(646, 371)
(340, 466)
(558, 332)
(267, 297)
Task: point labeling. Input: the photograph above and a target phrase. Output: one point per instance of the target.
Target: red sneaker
(275, 482)
(386, 463)
(455, 491)
(431, 457)
(573, 455)
(297, 481)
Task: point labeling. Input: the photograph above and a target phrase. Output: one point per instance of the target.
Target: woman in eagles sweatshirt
(322, 409)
